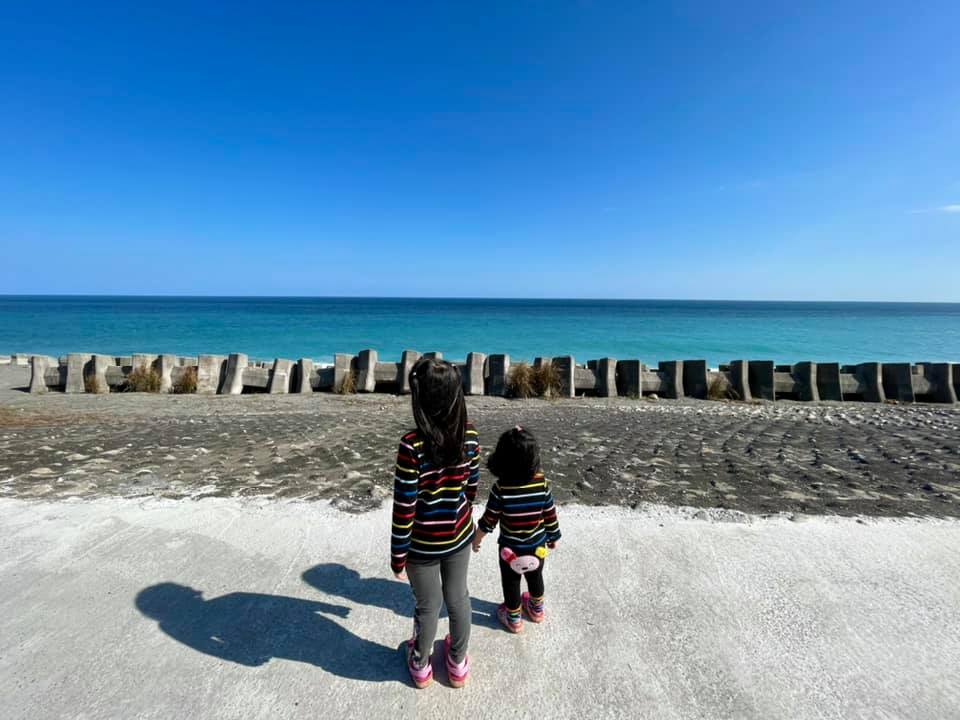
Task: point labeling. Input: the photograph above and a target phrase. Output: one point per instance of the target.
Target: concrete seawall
(493, 374)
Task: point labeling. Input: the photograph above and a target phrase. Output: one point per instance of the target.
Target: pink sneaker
(458, 673)
(421, 676)
(503, 615)
(532, 615)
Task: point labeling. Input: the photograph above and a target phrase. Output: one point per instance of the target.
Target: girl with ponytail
(435, 485)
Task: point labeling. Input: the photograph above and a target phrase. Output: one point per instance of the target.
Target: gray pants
(436, 582)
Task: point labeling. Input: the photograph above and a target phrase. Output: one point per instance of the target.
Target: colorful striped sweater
(432, 506)
(526, 512)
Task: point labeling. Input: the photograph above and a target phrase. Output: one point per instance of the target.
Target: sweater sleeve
(473, 480)
(405, 480)
(488, 523)
(551, 524)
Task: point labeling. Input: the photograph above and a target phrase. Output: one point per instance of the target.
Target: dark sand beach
(842, 459)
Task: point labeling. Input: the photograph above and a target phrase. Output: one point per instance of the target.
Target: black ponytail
(439, 409)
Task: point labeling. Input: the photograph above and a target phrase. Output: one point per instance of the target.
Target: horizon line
(463, 298)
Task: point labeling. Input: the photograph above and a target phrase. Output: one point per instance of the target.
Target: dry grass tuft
(546, 380)
(91, 384)
(186, 384)
(143, 379)
(720, 389)
(520, 381)
(348, 386)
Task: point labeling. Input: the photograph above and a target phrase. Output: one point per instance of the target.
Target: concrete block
(343, 365)
(784, 382)
(366, 371)
(829, 385)
(56, 375)
(805, 373)
(5, 360)
(256, 377)
(473, 383)
(566, 370)
(386, 373)
(434, 355)
(211, 370)
(407, 361)
(740, 379)
(955, 375)
(280, 377)
(38, 373)
(897, 381)
(761, 376)
(20, 359)
(871, 380)
(695, 381)
(115, 376)
(652, 382)
(99, 366)
(233, 375)
(124, 361)
(302, 377)
(630, 378)
(498, 368)
(605, 370)
(164, 365)
(942, 388)
(584, 380)
(76, 368)
(323, 378)
(672, 373)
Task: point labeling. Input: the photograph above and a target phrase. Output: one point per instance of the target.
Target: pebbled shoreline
(764, 458)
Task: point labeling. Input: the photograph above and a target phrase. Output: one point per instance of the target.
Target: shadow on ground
(252, 628)
(341, 581)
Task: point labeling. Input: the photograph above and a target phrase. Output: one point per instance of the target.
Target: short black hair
(516, 455)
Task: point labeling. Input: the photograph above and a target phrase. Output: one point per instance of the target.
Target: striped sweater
(432, 506)
(526, 512)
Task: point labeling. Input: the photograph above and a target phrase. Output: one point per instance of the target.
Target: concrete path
(234, 609)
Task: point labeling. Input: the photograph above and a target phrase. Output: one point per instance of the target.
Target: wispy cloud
(942, 209)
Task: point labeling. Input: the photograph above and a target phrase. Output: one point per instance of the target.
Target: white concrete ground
(653, 613)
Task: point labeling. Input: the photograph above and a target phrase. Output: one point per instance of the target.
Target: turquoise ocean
(649, 330)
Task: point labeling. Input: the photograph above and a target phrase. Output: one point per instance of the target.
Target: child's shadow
(339, 580)
(252, 628)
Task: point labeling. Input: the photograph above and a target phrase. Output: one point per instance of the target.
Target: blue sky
(806, 151)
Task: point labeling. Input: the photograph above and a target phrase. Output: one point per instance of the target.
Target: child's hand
(553, 545)
(402, 575)
(477, 539)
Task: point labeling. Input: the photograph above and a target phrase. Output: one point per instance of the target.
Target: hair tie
(517, 427)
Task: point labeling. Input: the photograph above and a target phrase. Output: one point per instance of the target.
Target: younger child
(521, 501)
